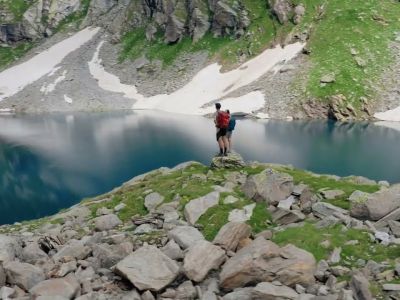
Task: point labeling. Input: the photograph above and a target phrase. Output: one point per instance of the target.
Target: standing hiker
(221, 123)
(231, 128)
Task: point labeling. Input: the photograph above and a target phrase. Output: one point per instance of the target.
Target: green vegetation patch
(367, 27)
(309, 238)
(16, 7)
(75, 18)
(11, 54)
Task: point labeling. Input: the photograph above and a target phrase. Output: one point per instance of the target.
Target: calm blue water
(49, 162)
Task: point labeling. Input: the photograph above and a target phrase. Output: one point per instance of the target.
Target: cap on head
(217, 105)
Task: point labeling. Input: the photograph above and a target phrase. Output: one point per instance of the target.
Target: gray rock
(287, 203)
(334, 258)
(75, 249)
(32, 253)
(144, 229)
(346, 295)
(332, 194)
(66, 268)
(230, 199)
(378, 205)
(7, 293)
(172, 250)
(394, 227)
(109, 255)
(328, 78)
(239, 294)
(153, 200)
(2, 276)
(327, 222)
(208, 295)
(242, 215)
(119, 207)
(359, 196)
(391, 287)
(268, 291)
(393, 216)
(322, 267)
(185, 236)
(197, 207)
(360, 287)
(148, 269)
(382, 237)
(9, 248)
(230, 235)
(285, 217)
(186, 291)
(147, 295)
(282, 9)
(67, 287)
(299, 12)
(201, 258)
(107, 222)
(269, 186)
(102, 211)
(23, 275)
(263, 260)
(323, 209)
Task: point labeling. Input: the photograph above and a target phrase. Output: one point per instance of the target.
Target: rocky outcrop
(232, 161)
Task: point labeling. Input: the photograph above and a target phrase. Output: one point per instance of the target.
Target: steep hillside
(159, 46)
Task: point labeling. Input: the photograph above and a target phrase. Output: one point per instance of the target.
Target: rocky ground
(232, 231)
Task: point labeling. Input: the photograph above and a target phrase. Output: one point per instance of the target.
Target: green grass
(309, 238)
(16, 7)
(11, 54)
(346, 25)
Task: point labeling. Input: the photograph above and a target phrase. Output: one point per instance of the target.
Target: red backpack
(223, 119)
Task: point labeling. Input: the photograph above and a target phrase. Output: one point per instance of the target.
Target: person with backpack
(221, 123)
(231, 128)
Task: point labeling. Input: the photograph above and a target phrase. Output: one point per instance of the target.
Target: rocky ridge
(141, 241)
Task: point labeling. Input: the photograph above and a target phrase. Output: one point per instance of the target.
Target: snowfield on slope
(16, 78)
(208, 86)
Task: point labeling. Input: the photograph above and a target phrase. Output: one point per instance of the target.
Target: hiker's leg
(220, 142)
(226, 144)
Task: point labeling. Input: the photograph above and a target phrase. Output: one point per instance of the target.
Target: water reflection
(52, 161)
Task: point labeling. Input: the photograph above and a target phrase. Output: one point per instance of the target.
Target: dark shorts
(221, 132)
(229, 134)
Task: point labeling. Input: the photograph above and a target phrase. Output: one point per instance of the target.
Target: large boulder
(32, 253)
(151, 201)
(67, 287)
(23, 275)
(201, 258)
(197, 207)
(232, 161)
(9, 248)
(148, 269)
(231, 234)
(110, 255)
(199, 22)
(185, 236)
(268, 291)
(76, 249)
(263, 260)
(269, 186)
(377, 205)
(107, 222)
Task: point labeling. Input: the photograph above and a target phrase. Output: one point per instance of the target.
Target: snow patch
(390, 115)
(16, 78)
(45, 89)
(207, 86)
(68, 99)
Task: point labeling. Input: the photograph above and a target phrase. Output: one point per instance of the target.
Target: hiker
(221, 123)
(231, 127)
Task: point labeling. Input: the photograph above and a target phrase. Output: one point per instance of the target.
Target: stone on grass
(391, 287)
(197, 207)
(107, 222)
(323, 209)
(119, 207)
(152, 200)
(284, 216)
(268, 186)
(148, 269)
(67, 287)
(242, 215)
(287, 203)
(201, 258)
(334, 258)
(185, 236)
(268, 291)
(332, 194)
(230, 199)
(23, 275)
(360, 287)
(231, 234)
(232, 161)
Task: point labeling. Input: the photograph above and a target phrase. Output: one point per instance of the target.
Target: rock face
(148, 269)
(262, 260)
(231, 234)
(269, 186)
(23, 275)
(197, 207)
(377, 205)
(201, 258)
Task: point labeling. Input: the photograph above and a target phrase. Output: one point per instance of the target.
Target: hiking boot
(225, 154)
